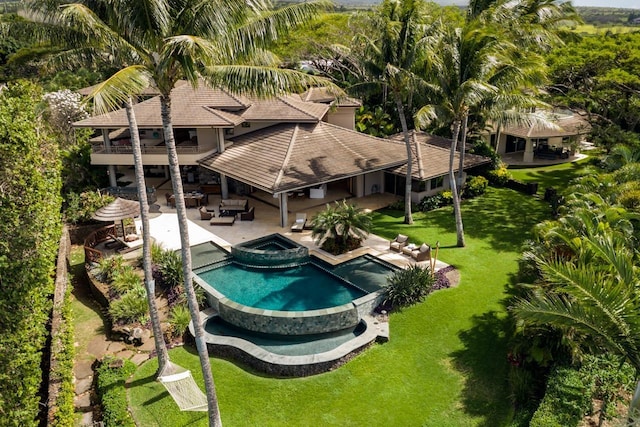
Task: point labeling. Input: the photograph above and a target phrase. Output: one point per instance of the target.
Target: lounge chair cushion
(424, 247)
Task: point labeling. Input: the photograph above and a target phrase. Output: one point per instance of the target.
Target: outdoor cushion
(424, 247)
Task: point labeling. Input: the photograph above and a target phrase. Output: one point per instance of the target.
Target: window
(437, 182)
(515, 144)
(418, 186)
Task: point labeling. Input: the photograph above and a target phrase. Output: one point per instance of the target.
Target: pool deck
(165, 230)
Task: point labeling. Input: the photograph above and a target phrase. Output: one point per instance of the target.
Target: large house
(281, 146)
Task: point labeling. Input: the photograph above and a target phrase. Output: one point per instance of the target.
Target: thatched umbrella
(118, 210)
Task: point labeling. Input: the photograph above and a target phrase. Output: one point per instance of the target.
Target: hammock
(183, 388)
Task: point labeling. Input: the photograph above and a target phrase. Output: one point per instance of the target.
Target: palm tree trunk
(452, 183)
(176, 181)
(498, 131)
(463, 144)
(634, 407)
(149, 283)
(408, 218)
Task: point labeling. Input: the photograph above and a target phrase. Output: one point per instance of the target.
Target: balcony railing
(126, 149)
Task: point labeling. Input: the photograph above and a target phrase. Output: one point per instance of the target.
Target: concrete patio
(165, 231)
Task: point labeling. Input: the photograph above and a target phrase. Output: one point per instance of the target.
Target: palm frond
(119, 88)
(264, 81)
(559, 312)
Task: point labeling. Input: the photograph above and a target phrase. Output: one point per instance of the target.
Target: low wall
(288, 322)
(290, 254)
(281, 322)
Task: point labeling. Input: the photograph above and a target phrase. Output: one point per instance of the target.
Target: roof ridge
(234, 96)
(285, 101)
(216, 113)
(287, 156)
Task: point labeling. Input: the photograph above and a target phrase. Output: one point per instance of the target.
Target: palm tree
(389, 57)
(459, 71)
(340, 224)
(169, 41)
(101, 104)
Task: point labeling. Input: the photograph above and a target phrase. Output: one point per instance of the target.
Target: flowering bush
(65, 107)
(499, 176)
(475, 186)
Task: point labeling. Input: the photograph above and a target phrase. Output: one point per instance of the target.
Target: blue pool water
(302, 288)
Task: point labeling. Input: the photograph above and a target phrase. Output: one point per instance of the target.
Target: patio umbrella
(118, 210)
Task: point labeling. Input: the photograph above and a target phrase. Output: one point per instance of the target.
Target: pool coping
(375, 329)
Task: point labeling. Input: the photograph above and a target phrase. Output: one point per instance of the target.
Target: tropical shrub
(571, 391)
(408, 286)
(170, 268)
(429, 203)
(179, 319)
(80, 207)
(111, 376)
(157, 252)
(481, 148)
(376, 122)
(62, 371)
(566, 401)
(108, 267)
(132, 307)
(341, 228)
(499, 177)
(475, 186)
(125, 279)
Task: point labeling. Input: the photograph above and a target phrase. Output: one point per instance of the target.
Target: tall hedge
(30, 228)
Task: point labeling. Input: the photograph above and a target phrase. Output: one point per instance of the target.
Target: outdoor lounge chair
(301, 220)
(423, 253)
(248, 215)
(204, 214)
(399, 242)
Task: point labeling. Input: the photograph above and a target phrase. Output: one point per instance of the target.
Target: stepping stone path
(97, 348)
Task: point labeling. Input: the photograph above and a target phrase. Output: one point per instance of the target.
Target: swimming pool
(301, 288)
(272, 286)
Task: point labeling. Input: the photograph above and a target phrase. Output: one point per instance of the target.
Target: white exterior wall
(373, 181)
(417, 196)
(253, 126)
(207, 138)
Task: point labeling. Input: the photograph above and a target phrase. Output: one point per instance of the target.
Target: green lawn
(557, 176)
(445, 364)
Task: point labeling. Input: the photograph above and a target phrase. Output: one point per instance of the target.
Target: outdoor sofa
(231, 207)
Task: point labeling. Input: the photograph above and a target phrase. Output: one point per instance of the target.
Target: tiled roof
(290, 156)
(212, 107)
(189, 108)
(431, 158)
(565, 126)
(324, 96)
(285, 109)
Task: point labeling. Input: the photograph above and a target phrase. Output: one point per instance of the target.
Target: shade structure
(118, 210)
